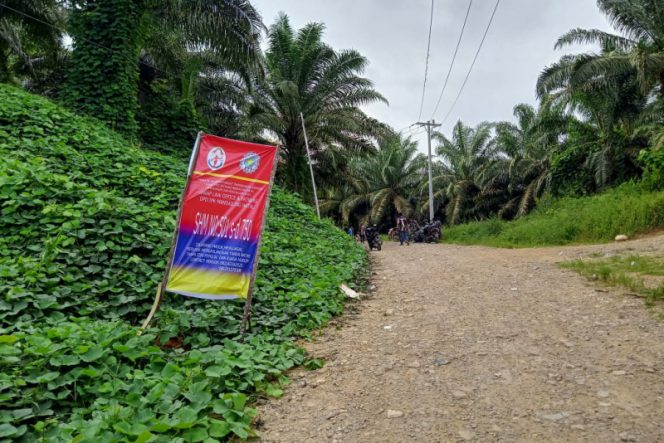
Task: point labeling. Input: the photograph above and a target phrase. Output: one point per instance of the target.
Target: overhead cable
(463, 85)
(456, 50)
(426, 64)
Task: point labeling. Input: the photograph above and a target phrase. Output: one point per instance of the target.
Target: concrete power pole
(430, 125)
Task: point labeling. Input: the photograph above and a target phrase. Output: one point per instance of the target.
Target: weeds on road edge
(629, 272)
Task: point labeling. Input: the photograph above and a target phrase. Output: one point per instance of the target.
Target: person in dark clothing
(363, 233)
(402, 227)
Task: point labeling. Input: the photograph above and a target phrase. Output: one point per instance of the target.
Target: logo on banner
(250, 162)
(216, 158)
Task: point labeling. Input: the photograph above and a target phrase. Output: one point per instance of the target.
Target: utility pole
(429, 125)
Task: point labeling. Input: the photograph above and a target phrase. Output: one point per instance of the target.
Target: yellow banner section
(236, 177)
(194, 282)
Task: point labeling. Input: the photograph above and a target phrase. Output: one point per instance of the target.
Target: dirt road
(479, 344)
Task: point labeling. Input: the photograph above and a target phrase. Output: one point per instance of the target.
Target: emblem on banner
(250, 162)
(216, 158)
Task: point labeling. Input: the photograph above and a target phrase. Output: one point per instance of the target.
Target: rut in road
(481, 344)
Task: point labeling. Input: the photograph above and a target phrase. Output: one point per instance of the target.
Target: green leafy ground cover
(641, 274)
(628, 209)
(86, 222)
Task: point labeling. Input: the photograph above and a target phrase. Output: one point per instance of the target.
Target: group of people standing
(361, 235)
(405, 230)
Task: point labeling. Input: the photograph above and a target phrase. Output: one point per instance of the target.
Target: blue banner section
(214, 253)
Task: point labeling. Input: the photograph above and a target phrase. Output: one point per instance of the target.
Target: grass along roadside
(627, 210)
(642, 275)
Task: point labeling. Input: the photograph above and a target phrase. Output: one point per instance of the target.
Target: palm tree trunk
(4, 66)
(295, 173)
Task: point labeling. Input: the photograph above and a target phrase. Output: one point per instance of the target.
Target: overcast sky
(392, 34)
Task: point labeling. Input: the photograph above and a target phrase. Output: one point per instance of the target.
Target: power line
(405, 127)
(411, 130)
(463, 85)
(426, 65)
(456, 50)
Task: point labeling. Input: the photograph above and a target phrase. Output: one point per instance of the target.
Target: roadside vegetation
(642, 275)
(87, 220)
(627, 210)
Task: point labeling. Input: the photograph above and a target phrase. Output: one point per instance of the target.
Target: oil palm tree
(610, 110)
(469, 177)
(24, 24)
(306, 76)
(383, 182)
(530, 145)
(640, 49)
(166, 32)
(610, 90)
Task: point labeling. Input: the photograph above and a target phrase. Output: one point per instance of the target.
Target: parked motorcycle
(429, 233)
(373, 239)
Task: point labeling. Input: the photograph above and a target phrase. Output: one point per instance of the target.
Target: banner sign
(221, 219)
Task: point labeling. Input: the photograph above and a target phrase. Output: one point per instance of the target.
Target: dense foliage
(171, 41)
(28, 44)
(305, 76)
(376, 187)
(629, 209)
(86, 221)
(107, 41)
(162, 70)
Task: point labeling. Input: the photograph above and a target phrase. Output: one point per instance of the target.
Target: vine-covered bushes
(167, 124)
(87, 220)
(103, 75)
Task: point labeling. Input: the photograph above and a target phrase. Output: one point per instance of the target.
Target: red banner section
(221, 219)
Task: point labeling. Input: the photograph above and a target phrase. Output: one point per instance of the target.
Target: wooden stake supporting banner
(155, 306)
(162, 286)
(246, 317)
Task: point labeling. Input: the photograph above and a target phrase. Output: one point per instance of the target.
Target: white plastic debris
(348, 291)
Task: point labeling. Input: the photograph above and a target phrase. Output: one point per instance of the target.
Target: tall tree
(639, 49)
(109, 35)
(530, 144)
(611, 89)
(383, 182)
(469, 177)
(305, 75)
(26, 23)
(610, 111)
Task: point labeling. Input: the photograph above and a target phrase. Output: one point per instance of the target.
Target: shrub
(627, 209)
